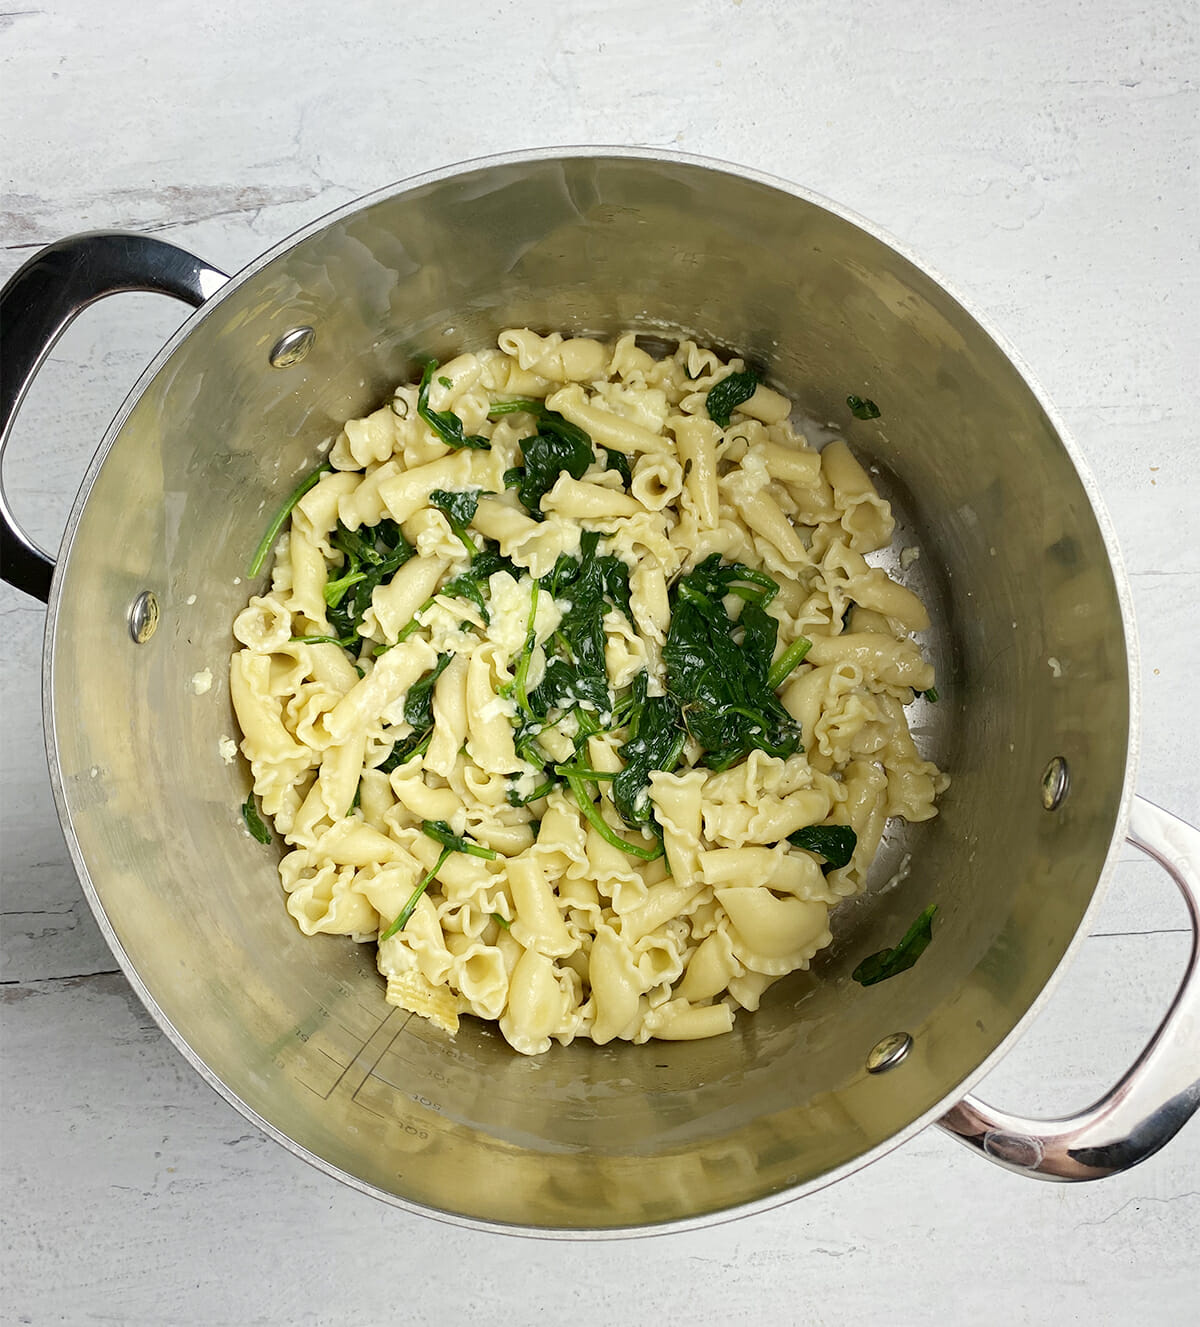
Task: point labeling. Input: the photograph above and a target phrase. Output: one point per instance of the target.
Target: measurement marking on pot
(351, 1055)
(384, 1050)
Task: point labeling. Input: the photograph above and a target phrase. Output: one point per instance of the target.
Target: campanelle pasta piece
(328, 904)
(657, 482)
(449, 717)
(489, 718)
(388, 681)
(578, 359)
(394, 604)
(774, 935)
(539, 923)
(316, 514)
(680, 1021)
(865, 516)
(711, 968)
(678, 799)
(696, 445)
(306, 600)
(480, 975)
(470, 822)
(616, 987)
(537, 1004)
(895, 662)
(747, 491)
(372, 438)
(576, 500)
(607, 429)
(266, 743)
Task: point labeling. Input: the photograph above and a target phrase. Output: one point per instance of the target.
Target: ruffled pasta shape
(430, 797)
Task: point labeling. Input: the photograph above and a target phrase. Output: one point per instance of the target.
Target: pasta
(582, 704)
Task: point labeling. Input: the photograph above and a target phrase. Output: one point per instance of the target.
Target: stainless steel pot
(1034, 643)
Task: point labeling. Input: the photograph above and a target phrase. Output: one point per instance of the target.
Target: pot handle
(1157, 1096)
(38, 304)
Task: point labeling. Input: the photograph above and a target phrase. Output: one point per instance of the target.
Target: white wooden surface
(1045, 158)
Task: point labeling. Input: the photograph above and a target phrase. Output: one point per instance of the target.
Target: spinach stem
(268, 539)
(344, 642)
(406, 631)
(440, 833)
(335, 591)
(782, 667)
(583, 772)
(415, 897)
(522, 405)
(603, 828)
(521, 679)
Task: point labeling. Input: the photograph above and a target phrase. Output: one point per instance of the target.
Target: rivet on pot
(888, 1053)
(143, 617)
(1056, 783)
(292, 347)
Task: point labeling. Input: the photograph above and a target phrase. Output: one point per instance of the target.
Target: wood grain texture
(1044, 158)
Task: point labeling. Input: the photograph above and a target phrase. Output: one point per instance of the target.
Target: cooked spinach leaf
(549, 421)
(862, 407)
(521, 673)
(360, 547)
(515, 798)
(575, 679)
(591, 582)
(459, 509)
(836, 843)
(619, 462)
(585, 772)
(445, 423)
(544, 457)
(254, 822)
(344, 641)
(890, 962)
(418, 713)
(335, 591)
(655, 743)
(591, 813)
(418, 705)
(728, 394)
(415, 744)
(718, 668)
(557, 445)
(371, 557)
(470, 584)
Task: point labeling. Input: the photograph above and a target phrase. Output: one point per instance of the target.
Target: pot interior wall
(1028, 641)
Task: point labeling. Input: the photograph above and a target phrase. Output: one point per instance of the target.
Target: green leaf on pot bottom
(890, 962)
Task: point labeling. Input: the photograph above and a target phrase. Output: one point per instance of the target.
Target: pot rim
(1074, 453)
